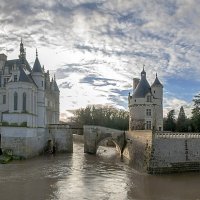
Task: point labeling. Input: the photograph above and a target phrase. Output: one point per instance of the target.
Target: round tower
(157, 88)
(38, 77)
(157, 92)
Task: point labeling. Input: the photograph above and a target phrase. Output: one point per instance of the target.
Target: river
(81, 176)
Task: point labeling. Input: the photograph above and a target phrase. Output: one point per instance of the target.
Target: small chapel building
(146, 104)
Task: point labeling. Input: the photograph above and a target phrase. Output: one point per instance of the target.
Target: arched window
(15, 100)
(24, 102)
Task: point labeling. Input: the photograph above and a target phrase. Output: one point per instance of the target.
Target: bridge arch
(93, 135)
(109, 139)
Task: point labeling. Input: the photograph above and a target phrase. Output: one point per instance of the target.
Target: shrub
(14, 124)
(23, 124)
(5, 124)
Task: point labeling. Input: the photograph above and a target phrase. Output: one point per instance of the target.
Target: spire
(55, 84)
(21, 46)
(37, 67)
(156, 82)
(143, 73)
(22, 54)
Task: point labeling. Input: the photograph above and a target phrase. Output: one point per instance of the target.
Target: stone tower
(38, 77)
(146, 105)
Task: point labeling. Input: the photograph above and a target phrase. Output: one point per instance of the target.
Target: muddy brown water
(82, 176)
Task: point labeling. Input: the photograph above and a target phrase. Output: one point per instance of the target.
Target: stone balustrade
(175, 135)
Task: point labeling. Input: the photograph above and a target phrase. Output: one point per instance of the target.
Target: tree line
(111, 117)
(183, 123)
(100, 115)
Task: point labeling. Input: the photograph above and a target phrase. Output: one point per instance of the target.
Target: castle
(146, 104)
(29, 105)
(28, 97)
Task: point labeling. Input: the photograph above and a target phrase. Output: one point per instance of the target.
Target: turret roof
(37, 67)
(56, 86)
(156, 82)
(143, 87)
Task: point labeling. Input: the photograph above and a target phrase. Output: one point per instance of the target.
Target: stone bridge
(93, 135)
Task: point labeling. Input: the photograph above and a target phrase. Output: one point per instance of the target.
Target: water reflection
(83, 176)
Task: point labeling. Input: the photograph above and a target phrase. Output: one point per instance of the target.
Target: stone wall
(175, 152)
(62, 137)
(138, 148)
(26, 142)
(30, 142)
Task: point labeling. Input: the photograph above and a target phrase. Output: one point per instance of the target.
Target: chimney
(135, 82)
(3, 59)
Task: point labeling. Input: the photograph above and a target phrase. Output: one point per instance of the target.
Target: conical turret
(37, 67)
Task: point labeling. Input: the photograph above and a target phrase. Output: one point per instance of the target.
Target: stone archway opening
(93, 135)
(107, 145)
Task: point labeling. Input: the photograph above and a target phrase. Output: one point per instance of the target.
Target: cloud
(175, 104)
(95, 48)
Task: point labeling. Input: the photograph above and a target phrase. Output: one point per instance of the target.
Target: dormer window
(149, 98)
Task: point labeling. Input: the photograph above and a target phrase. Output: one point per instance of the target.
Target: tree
(170, 122)
(196, 113)
(182, 121)
(107, 116)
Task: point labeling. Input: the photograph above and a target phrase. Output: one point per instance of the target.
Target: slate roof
(56, 86)
(156, 82)
(17, 62)
(37, 67)
(23, 77)
(143, 87)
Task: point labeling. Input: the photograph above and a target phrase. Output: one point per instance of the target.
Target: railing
(58, 126)
(176, 135)
(63, 126)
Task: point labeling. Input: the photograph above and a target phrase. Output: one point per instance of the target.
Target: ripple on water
(83, 176)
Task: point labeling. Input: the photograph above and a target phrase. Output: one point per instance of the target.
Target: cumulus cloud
(95, 48)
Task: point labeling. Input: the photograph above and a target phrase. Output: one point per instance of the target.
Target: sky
(96, 48)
